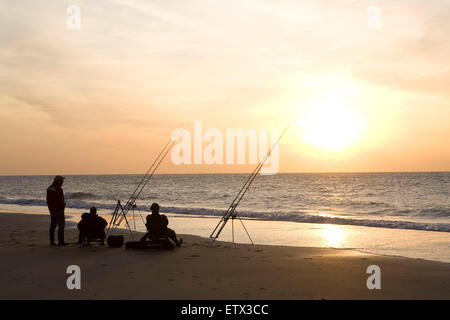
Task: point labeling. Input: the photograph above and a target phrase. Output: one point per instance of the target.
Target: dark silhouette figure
(92, 227)
(56, 205)
(157, 226)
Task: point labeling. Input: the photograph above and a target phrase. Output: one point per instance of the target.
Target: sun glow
(332, 235)
(331, 123)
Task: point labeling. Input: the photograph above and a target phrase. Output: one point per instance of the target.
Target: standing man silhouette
(56, 206)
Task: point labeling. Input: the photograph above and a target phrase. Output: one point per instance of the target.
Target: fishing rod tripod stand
(120, 214)
(231, 211)
(233, 217)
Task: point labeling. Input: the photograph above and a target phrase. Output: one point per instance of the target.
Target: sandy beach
(32, 270)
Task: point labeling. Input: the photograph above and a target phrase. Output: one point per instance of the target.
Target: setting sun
(331, 123)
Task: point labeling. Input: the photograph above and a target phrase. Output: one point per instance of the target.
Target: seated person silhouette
(157, 226)
(92, 227)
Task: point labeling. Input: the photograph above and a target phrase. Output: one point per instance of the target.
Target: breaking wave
(75, 202)
(79, 195)
(308, 218)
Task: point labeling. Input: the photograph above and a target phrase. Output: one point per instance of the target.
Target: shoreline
(415, 244)
(32, 270)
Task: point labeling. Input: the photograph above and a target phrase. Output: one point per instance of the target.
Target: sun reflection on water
(332, 235)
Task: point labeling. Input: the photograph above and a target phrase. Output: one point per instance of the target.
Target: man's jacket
(55, 198)
(157, 224)
(92, 224)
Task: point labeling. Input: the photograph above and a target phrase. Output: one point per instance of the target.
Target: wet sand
(31, 269)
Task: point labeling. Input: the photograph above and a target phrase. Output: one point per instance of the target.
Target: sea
(409, 212)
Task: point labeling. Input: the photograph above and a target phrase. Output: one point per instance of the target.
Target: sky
(362, 85)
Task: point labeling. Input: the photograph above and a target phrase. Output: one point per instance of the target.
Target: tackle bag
(115, 241)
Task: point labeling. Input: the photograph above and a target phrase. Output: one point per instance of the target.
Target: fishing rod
(120, 211)
(231, 211)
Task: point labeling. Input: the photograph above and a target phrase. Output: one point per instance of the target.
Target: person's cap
(59, 178)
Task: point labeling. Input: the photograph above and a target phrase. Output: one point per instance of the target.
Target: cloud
(140, 65)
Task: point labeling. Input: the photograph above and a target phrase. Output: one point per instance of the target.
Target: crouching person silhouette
(157, 226)
(92, 227)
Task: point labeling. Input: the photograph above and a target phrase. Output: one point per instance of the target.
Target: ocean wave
(79, 195)
(23, 202)
(293, 216)
(435, 212)
(351, 203)
(308, 218)
(74, 204)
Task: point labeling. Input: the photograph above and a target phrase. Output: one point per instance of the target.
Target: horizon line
(219, 173)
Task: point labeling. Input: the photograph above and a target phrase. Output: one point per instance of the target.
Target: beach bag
(115, 241)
